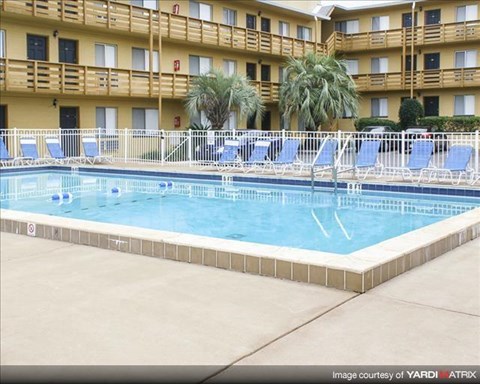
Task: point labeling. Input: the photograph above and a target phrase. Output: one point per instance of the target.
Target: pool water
(283, 216)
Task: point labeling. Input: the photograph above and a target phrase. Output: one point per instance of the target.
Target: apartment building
(129, 64)
(378, 44)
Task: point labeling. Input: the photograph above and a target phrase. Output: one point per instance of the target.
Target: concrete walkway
(70, 304)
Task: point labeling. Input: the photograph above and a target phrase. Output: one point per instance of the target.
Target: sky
(352, 3)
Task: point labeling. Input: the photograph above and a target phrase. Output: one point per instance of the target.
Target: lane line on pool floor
(278, 338)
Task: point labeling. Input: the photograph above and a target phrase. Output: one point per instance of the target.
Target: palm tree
(318, 89)
(217, 94)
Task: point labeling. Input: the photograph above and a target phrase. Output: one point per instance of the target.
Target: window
(380, 107)
(252, 71)
(466, 59)
(380, 23)
(145, 119)
(347, 26)
(464, 105)
(200, 11)
(432, 17)
(231, 123)
(230, 67)
(380, 65)
(150, 4)
(251, 21)
(2, 43)
(282, 74)
(37, 47)
(265, 24)
(431, 104)
(265, 71)
(347, 113)
(105, 55)
(408, 62)
(67, 51)
(200, 65)
(106, 119)
(229, 16)
(141, 59)
(304, 33)
(407, 20)
(467, 13)
(283, 28)
(352, 66)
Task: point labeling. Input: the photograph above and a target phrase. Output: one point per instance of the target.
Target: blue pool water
(286, 216)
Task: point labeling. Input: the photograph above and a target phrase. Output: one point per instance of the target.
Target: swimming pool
(283, 216)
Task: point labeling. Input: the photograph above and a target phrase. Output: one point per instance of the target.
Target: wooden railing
(394, 38)
(442, 78)
(58, 78)
(129, 18)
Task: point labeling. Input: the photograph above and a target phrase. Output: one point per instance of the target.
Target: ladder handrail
(344, 147)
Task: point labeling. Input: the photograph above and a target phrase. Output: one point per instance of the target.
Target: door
(3, 123)
(70, 139)
(251, 21)
(265, 25)
(252, 71)
(408, 62)
(431, 105)
(267, 121)
(407, 20)
(67, 51)
(432, 17)
(432, 61)
(36, 47)
(265, 73)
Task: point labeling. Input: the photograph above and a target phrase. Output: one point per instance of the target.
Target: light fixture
(259, 13)
(260, 61)
(55, 102)
(55, 33)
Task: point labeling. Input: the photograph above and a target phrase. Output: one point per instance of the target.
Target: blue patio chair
(258, 158)
(367, 158)
(287, 156)
(56, 152)
(91, 151)
(5, 158)
(456, 163)
(419, 161)
(325, 157)
(229, 156)
(28, 145)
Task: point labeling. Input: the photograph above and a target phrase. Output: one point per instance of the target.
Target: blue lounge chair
(56, 152)
(259, 156)
(456, 163)
(229, 156)
(367, 158)
(28, 145)
(5, 158)
(91, 151)
(419, 160)
(325, 157)
(287, 156)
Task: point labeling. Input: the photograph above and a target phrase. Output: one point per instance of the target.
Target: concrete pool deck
(68, 304)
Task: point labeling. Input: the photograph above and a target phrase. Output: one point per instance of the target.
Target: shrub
(152, 155)
(452, 124)
(368, 121)
(409, 113)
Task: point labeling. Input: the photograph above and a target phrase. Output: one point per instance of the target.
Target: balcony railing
(441, 78)
(394, 38)
(129, 18)
(70, 79)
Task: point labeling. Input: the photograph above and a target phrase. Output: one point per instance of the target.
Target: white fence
(199, 148)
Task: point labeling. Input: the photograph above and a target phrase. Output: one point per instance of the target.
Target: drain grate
(235, 236)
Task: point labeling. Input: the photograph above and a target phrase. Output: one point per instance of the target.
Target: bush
(452, 124)
(152, 155)
(368, 121)
(409, 113)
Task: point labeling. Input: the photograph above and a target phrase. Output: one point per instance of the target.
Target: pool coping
(358, 271)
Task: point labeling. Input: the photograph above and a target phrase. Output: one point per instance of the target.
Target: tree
(217, 94)
(318, 89)
(409, 113)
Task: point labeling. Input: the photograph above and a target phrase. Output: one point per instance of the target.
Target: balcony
(131, 19)
(395, 38)
(427, 79)
(70, 79)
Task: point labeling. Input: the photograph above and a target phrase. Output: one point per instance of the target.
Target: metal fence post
(100, 145)
(283, 136)
(125, 145)
(402, 148)
(162, 146)
(189, 147)
(477, 149)
(15, 154)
